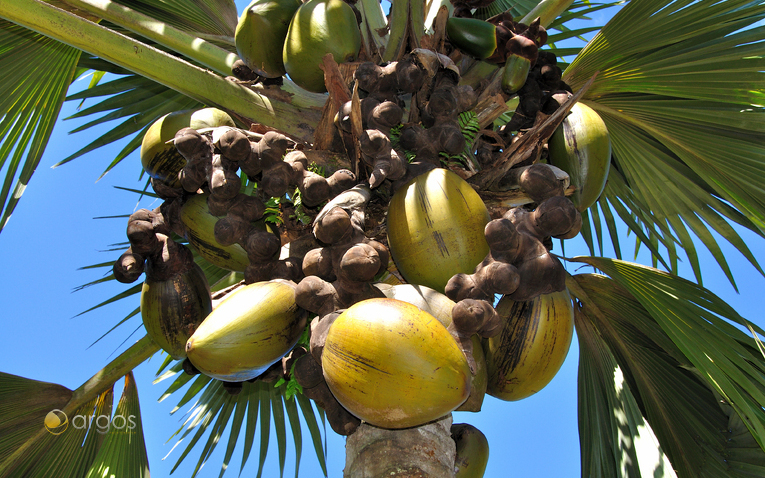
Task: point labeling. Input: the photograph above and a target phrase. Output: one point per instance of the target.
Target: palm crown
(663, 361)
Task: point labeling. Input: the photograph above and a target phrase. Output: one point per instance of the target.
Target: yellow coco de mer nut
(393, 365)
(435, 228)
(440, 306)
(534, 341)
(250, 330)
(159, 158)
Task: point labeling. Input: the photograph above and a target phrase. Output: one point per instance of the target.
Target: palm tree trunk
(424, 451)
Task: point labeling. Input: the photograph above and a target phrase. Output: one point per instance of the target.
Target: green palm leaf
(123, 452)
(89, 442)
(215, 410)
(36, 71)
(680, 91)
(215, 19)
(691, 370)
(615, 439)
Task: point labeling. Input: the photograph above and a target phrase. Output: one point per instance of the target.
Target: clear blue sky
(53, 233)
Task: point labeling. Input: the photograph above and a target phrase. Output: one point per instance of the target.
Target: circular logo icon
(56, 422)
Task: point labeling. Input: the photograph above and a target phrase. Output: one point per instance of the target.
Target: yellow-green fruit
(159, 158)
(393, 365)
(319, 27)
(440, 306)
(515, 73)
(472, 451)
(260, 35)
(581, 146)
(199, 225)
(173, 309)
(532, 346)
(435, 228)
(247, 332)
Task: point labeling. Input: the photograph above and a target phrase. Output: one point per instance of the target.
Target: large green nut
(260, 35)
(250, 330)
(515, 73)
(319, 27)
(159, 158)
(581, 146)
(435, 228)
(472, 451)
(471, 36)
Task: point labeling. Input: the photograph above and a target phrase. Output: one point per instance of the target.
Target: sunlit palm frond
(215, 411)
(35, 72)
(89, 442)
(202, 17)
(123, 452)
(686, 359)
(679, 87)
(615, 439)
(136, 99)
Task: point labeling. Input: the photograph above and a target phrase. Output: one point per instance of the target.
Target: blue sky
(53, 233)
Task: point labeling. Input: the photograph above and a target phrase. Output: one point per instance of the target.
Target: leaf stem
(547, 11)
(283, 114)
(407, 25)
(206, 53)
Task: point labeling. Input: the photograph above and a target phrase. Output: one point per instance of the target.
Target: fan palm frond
(39, 439)
(686, 358)
(36, 72)
(679, 88)
(215, 410)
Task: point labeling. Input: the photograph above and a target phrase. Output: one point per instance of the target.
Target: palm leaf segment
(665, 376)
(35, 73)
(679, 87)
(91, 442)
(258, 401)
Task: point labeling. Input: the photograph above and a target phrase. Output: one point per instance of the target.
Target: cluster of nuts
(519, 265)
(432, 127)
(543, 91)
(151, 249)
(340, 274)
(213, 161)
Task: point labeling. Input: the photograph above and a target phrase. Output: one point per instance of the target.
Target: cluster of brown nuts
(519, 265)
(151, 250)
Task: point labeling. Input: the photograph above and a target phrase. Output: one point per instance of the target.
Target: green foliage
(395, 134)
(686, 123)
(662, 355)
